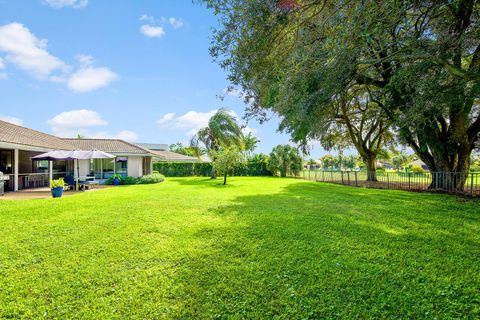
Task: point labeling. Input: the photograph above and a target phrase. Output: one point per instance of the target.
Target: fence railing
(462, 183)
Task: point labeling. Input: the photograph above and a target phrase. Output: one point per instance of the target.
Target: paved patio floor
(42, 193)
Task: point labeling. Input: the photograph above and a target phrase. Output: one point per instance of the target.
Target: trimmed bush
(123, 180)
(151, 179)
(204, 169)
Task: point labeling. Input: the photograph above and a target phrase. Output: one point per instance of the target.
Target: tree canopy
(418, 61)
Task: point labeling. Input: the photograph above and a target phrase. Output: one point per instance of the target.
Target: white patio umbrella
(74, 155)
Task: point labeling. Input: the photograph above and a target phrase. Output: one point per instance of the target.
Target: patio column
(50, 170)
(15, 170)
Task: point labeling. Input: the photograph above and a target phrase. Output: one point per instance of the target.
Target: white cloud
(90, 78)
(192, 121)
(57, 4)
(76, 119)
(146, 17)
(85, 60)
(28, 52)
(17, 121)
(166, 118)
(175, 23)
(246, 130)
(152, 31)
(71, 123)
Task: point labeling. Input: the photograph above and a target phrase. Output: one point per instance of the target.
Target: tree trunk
(450, 170)
(213, 175)
(225, 179)
(370, 161)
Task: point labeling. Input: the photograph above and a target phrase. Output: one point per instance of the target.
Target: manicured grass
(257, 248)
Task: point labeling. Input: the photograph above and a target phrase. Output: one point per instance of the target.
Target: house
(19, 144)
(161, 153)
(130, 159)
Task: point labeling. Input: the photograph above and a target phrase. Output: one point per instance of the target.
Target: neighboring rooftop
(154, 146)
(12, 133)
(172, 156)
(107, 145)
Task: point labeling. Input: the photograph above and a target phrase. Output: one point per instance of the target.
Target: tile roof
(107, 145)
(154, 146)
(12, 133)
(172, 156)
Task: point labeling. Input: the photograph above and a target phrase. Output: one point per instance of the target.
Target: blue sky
(139, 70)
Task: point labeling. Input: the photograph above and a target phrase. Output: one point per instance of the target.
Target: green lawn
(257, 248)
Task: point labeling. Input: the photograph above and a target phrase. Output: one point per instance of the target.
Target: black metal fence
(461, 183)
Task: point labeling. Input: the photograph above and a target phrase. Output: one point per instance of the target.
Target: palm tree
(250, 142)
(222, 131)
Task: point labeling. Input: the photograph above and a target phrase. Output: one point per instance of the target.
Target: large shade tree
(419, 58)
(222, 130)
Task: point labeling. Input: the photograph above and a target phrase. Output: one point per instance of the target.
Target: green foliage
(183, 169)
(417, 169)
(222, 131)
(332, 69)
(57, 183)
(187, 150)
(285, 160)
(151, 178)
(250, 143)
(262, 248)
(255, 166)
(123, 180)
(226, 160)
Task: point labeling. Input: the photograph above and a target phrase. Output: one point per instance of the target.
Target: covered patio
(17, 147)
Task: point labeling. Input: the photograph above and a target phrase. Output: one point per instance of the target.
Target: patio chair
(70, 182)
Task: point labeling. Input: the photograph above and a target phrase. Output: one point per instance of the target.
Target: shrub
(57, 183)
(151, 178)
(417, 169)
(128, 180)
(123, 180)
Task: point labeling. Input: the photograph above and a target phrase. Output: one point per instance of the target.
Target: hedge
(204, 169)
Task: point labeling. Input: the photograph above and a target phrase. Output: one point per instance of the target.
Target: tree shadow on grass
(324, 251)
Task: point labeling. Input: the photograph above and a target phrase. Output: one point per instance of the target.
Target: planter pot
(57, 192)
(116, 182)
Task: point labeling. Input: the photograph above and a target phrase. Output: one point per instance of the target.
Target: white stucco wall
(135, 166)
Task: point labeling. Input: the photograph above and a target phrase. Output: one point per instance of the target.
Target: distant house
(161, 153)
(131, 160)
(19, 144)
(419, 163)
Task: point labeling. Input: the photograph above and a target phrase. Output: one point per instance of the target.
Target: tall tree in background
(186, 150)
(222, 131)
(250, 144)
(285, 159)
(419, 59)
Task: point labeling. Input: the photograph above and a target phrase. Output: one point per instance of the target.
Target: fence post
(356, 180)
(348, 177)
(341, 175)
(409, 176)
(316, 175)
(388, 181)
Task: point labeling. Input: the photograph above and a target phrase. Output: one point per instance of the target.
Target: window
(6, 161)
(108, 168)
(121, 166)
